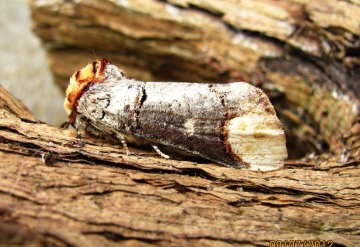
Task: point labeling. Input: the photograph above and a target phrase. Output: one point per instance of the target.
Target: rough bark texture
(94, 195)
(305, 54)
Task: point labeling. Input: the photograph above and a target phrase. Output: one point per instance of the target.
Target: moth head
(80, 81)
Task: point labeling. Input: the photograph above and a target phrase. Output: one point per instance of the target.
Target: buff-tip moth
(231, 124)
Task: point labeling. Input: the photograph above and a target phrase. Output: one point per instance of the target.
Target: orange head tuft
(80, 82)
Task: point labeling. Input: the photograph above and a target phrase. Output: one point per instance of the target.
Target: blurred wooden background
(304, 54)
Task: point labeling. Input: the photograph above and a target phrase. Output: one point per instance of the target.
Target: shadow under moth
(232, 124)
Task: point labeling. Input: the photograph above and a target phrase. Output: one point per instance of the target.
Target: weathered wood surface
(95, 195)
(305, 54)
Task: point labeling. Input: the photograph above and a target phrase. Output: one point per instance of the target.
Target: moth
(232, 124)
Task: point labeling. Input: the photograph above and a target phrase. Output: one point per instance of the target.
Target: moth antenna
(93, 51)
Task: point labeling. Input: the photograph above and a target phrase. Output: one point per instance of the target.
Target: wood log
(56, 192)
(304, 54)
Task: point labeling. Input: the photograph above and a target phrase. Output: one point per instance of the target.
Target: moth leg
(65, 125)
(123, 142)
(80, 130)
(159, 152)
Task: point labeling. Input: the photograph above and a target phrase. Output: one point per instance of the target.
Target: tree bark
(58, 191)
(64, 193)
